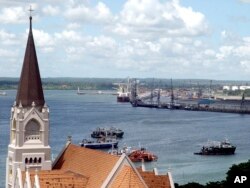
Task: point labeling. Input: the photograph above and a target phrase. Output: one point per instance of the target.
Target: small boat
(3, 93)
(217, 148)
(142, 155)
(104, 143)
(79, 92)
(135, 155)
(103, 132)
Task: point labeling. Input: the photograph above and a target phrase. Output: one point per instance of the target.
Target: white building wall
(28, 148)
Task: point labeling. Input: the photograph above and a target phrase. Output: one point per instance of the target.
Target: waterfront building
(29, 163)
(235, 88)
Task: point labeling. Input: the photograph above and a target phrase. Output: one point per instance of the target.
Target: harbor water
(173, 135)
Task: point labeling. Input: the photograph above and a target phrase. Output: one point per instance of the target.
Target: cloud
(13, 15)
(43, 40)
(83, 13)
(143, 38)
(6, 53)
(7, 38)
(50, 10)
(153, 18)
(245, 1)
(245, 65)
(70, 37)
(73, 26)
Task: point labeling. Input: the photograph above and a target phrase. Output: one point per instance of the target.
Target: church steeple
(30, 85)
(29, 122)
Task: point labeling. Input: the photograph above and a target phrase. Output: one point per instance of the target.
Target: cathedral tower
(29, 122)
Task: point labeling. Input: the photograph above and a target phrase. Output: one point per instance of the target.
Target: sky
(179, 39)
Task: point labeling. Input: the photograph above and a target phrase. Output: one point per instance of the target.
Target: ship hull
(122, 99)
(217, 151)
(100, 146)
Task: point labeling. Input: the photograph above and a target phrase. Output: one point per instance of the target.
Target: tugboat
(217, 148)
(142, 155)
(112, 131)
(136, 155)
(103, 143)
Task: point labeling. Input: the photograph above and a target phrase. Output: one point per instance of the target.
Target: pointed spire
(30, 85)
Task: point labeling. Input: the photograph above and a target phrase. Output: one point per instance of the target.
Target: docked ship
(105, 143)
(217, 148)
(123, 91)
(103, 132)
(123, 96)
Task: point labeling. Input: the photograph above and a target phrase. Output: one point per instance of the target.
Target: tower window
(32, 130)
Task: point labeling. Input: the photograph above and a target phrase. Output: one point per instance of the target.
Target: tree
(242, 169)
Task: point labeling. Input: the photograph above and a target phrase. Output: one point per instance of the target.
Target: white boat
(3, 93)
(79, 92)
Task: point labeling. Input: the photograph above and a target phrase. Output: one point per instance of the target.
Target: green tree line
(242, 169)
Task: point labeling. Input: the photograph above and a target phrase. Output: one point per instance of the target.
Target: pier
(224, 106)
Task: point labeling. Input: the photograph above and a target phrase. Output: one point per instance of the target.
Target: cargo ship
(217, 148)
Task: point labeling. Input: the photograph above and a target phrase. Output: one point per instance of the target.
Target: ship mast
(172, 95)
(242, 104)
(152, 93)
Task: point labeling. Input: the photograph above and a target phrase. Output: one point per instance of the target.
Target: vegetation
(66, 83)
(233, 93)
(107, 83)
(242, 169)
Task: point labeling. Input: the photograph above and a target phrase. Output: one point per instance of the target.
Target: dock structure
(224, 106)
(199, 102)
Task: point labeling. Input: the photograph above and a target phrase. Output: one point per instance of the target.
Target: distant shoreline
(69, 83)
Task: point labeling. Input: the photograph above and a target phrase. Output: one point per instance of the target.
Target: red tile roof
(59, 178)
(155, 181)
(95, 165)
(127, 178)
(87, 168)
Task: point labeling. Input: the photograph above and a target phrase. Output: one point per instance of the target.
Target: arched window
(31, 161)
(10, 172)
(39, 160)
(26, 160)
(13, 132)
(32, 130)
(35, 160)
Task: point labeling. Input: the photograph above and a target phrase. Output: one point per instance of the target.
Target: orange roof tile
(80, 167)
(155, 181)
(95, 165)
(58, 178)
(127, 178)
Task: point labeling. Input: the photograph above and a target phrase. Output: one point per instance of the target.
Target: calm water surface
(172, 135)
